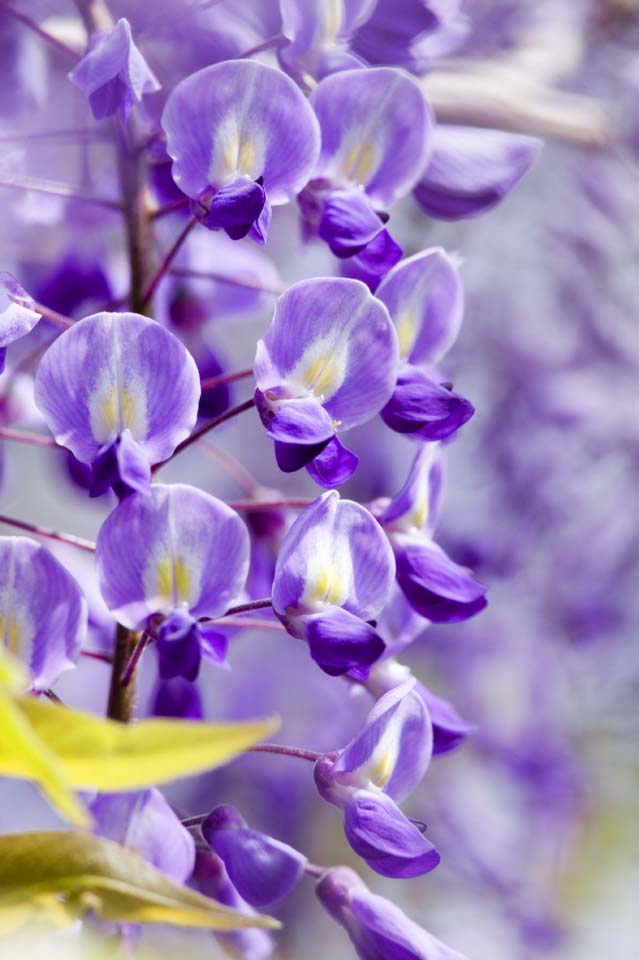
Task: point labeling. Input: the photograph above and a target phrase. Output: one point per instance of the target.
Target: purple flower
(381, 766)
(333, 574)
(318, 33)
(425, 300)
(243, 138)
(17, 314)
(375, 128)
(114, 74)
(261, 869)
(169, 557)
(471, 170)
(145, 822)
(327, 363)
(377, 928)
(43, 612)
(120, 392)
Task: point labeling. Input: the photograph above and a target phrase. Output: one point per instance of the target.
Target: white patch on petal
(118, 400)
(329, 574)
(321, 369)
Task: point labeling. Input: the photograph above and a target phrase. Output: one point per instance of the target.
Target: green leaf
(92, 873)
(107, 755)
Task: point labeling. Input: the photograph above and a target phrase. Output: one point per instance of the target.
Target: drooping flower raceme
(18, 315)
(375, 140)
(114, 74)
(435, 586)
(333, 574)
(166, 559)
(378, 929)
(425, 300)
(471, 170)
(328, 362)
(243, 138)
(379, 768)
(120, 392)
(43, 612)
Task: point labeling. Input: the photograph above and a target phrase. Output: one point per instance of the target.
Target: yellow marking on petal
(331, 12)
(328, 586)
(11, 633)
(321, 368)
(360, 163)
(164, 572)
(182, 581)
(246, 154)
(406, 327)
(380, 772)
(321, 375)
(419, 516)
(173, 582)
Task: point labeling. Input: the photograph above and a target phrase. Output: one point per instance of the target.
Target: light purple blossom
(18, 315)
(318, 33)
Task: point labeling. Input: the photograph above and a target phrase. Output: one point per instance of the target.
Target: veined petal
(173, 547)
(116, 371)
(471, 170)
(435, 585)
(422, 406)
(333, 465)
(318, 31)
(417, 505)
(17, 313)
(425, 300)
(341, 643)
(240, 118)
(43, 612)
(330, 339)
(375, 131)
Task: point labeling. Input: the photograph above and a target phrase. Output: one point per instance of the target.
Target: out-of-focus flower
(243, 138)
(114, 74)
(318, 34)
(120, 392)
(18, 316)
(43, 613)
(327, 363)
(333, 574)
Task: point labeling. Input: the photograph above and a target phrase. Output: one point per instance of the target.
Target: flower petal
(340, 642)
(435, 585)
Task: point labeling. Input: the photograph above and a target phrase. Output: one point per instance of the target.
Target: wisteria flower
(327, 363)
(425, 300)
(166, 559)
(43, 612)
(471, 170)
(18, 315)
(120, 392)
(435, 586)
(114, 74)
(380, 767)
(261, 868)
(375, 128)
(333, 574)
(318, 35)
(243, 139)
(378, 929)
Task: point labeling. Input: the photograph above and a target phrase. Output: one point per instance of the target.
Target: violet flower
(333, 574)
(164, 560)
(328, 362)
(120, 392)
(380, 767)
(114, 74)
(378, 929)
(471, 170)
(43, 612)
(375, 128)
(18, 316)
(262, 869)
(243, 139)
(425, 300)
(318, 35)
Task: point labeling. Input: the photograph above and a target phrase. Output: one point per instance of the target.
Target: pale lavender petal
(418, 503)
(173, 547)
(43, 612)
(118, 371)
(18, 315)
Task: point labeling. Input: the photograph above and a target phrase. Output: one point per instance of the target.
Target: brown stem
(211, 425)
(211, 382)
(122, 698)
(50, 534)
(132, 170)
(166, 263)
(35, 439)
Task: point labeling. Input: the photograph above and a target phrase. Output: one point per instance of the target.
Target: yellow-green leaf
(106, 755)
(92, 873)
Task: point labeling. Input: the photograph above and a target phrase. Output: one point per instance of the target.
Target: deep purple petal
(293, 456)
(375, 260)
(235, 207)
(122, 465)
(177, 698)
(334, 465)
(348, 222)
(301, 421)
(339, 641)
(436, 586)
(449, 729)
(420, 405)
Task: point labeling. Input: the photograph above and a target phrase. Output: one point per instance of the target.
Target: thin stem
(310, 755)
(94, 655)
(250, 623)
(36, 28)
(314, 869)
(122, 699)
(222, 378)
(138, 650)
(60, 190)
(164, 266)
(168, 208)
(247, 482)
(211, 425)
(267, 44)
(69, 133)
(223, 278)
(49, 314)
(250, 605)
(69, 538)
(132, 173)
(53, 697)
(248, 506)
(35, 439)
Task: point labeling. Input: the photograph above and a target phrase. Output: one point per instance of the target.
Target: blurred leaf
(107, 755)
(92, 873)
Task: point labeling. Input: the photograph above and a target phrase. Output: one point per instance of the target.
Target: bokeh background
(535, 815)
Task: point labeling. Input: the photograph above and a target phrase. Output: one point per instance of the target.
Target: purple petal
(425, 300)
(18, 315)
(471, 170)
(174, 547)
(449, 729)
(43, 612)
(121, 465)
(418, 503)
(177, 698)
(146, 823)
(236, 207)
(334, 465)
(348, 222)
(317, 35)
(339, 641)
(332, 340)
(293, 456)
(375, 131)
(118, 371)
(375, 260)
(302, 420)
(178, 647)
(390, 843)
(240, 119)
(421, 406)
(436, 586)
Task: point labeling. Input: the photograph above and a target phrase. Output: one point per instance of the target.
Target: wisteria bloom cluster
(319, 107)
